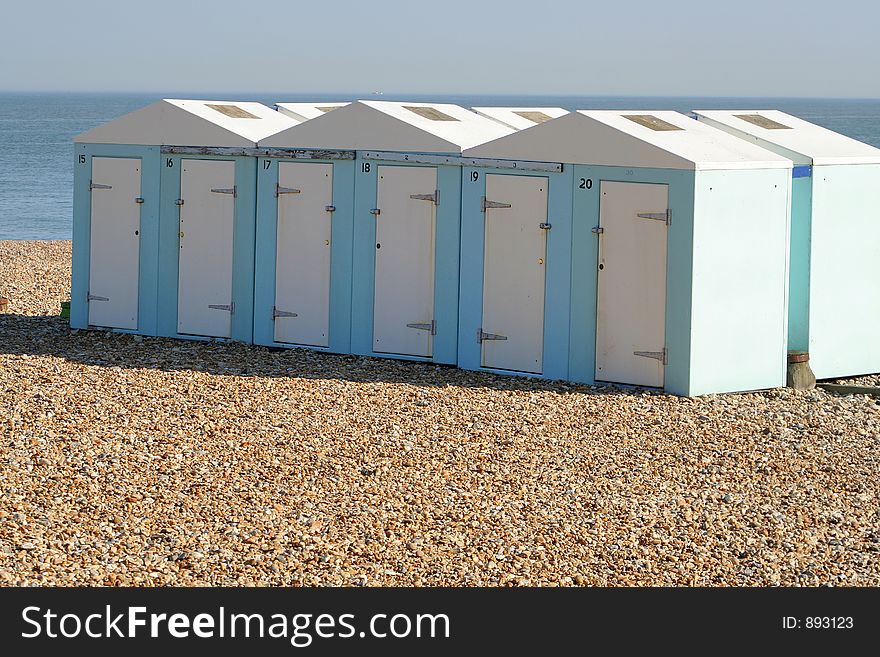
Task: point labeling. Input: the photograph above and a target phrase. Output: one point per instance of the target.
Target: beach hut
(305, 208)
(178, 176)
(520, 118)
(305, 111)
(834, 306)
(403, 226)
(656, 256)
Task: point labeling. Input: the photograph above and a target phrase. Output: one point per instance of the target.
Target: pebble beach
(129, 461)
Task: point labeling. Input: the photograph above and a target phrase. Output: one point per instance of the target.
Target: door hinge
(282, 313)
(92, 297)
(481, 336)
(226, 190)
(598, 230)
(665, 216)
(330, 208)
(375, 212)
(139, 200)
(486, 204)
(434, 198)
(430, 326)
(230, 307)
(545, 226)
(656, 355)
(94, 185)
(279, 190)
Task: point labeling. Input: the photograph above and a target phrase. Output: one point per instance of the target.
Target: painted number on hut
(266, 164)
(586, 183)
(169, 162)
(82, 159)
(365, 167)
(475, 176)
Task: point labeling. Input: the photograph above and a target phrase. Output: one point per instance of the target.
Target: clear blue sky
(566, 47)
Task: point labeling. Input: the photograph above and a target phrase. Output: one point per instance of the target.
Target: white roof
(801, 141)
(176, 122)
(644, 139)
(521, 118)
(393, 126)
(305, 111)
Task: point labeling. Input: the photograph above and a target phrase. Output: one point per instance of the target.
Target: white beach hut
(834, 306)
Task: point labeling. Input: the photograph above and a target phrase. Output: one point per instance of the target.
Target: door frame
(242, 246)
(340, 254)
(148, 251)
(679, 267)
(446, 260)
(557, 280)
(661, 342)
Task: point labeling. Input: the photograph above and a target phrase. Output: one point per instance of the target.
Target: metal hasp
(279, 190)
(481, 336)
(225, 190)
(92, 297)
(486, 204)
(139, 200)
(430, 326)
(230, 308)
(93, 185)
(656, 355)
(597, 230)
(330, 208)
(545, 226)
(375, 212)
(282, 313)
(434, 198)
(665, 216)
(178, 201)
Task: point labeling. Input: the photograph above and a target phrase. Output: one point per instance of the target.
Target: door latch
(225, 190)
(93, 297)
(230, 307)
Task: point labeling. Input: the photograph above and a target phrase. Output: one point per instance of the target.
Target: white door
(302, 259)
(115, 242)
(631, 306)
(514, 266)
(403, 308)
(204, 301)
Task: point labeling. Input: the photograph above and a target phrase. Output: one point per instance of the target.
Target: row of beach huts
(686, 253)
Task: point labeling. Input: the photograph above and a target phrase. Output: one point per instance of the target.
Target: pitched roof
(393, 126)
(801, 141)
(191, 123)
(305, 111)
(521, 118)
(645, 139)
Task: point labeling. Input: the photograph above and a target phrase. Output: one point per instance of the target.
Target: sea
(37, 130)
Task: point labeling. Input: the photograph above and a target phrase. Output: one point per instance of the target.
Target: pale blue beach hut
(834, 304)
(396, 210)
(164, 213)
(653, 252)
